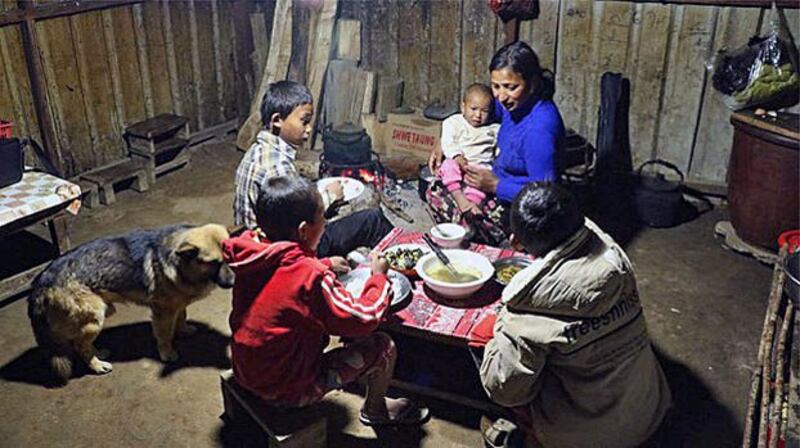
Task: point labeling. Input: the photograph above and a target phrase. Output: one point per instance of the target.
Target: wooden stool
(276, 427)
(155, 138)
(107, 176)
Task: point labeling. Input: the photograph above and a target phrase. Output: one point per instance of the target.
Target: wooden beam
(24, 14)
(275, 69)
(39, 92)
(218, 58)
(280, 51)
(347, 41)
(511, 29)
(760, 3)
(172, 62)
(196, 70)
(144, 60)
(243, 63)
(320, 54)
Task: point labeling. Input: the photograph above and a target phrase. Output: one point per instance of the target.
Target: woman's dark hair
(283, 203)
(521, 59)
(544, 215)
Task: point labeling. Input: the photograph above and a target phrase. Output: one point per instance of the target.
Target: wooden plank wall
(203, 58)
(108, 69)
(439, 46)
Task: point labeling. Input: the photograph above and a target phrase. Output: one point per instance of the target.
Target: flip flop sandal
(414, 414)
(501, 434)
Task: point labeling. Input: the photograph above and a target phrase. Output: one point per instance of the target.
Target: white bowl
(458, 258)
(455, 234)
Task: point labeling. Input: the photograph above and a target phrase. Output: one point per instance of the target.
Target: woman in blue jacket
(531, 142)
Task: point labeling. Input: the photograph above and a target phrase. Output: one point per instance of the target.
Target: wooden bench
(272, 427)
(107, 176)
(160, 142)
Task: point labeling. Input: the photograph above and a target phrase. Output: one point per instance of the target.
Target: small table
(38, 197)
(444, 323)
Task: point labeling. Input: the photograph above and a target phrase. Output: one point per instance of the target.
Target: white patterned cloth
(36, 192)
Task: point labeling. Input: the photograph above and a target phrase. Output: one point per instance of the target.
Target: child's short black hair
(283, 97)
(283, 203)
(544, 215)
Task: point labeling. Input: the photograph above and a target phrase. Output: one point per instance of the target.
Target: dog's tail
(60, 357)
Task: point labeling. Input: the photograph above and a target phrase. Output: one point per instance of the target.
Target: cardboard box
(410, 135)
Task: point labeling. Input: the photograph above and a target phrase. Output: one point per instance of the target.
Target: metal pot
(346, 145)
(791, 286)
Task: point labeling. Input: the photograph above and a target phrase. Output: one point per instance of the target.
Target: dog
(164, 269)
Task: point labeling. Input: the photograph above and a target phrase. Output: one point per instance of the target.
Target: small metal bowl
(504, 263)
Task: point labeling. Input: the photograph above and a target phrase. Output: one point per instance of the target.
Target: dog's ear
(187, 251)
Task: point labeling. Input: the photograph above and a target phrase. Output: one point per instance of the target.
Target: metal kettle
(659, 201)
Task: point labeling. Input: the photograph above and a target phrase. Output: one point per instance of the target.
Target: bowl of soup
(472, 271)
(507, 268)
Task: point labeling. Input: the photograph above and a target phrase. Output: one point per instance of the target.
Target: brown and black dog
(164, 269)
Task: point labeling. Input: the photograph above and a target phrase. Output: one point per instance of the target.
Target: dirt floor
(704, 308)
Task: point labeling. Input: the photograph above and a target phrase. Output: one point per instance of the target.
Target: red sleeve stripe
(342, 300)
(340, 295)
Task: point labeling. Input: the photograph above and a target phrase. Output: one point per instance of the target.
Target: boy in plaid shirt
(287, 110)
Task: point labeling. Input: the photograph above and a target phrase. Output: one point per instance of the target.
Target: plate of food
(351, 188)
(507, 268)
(355, 280)
(404, 257)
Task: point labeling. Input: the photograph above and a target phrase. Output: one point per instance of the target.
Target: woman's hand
(435, 159)
(481, 178)
(461, 161)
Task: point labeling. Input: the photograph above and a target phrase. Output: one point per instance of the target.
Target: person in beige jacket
(570, 345)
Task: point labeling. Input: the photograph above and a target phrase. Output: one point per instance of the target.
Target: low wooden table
(37, 198)
(441, 323)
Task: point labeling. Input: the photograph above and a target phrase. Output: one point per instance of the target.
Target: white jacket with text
(571, 342)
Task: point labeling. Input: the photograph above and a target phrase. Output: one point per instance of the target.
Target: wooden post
(275, 69)
(243, 49)
(39, 91)
(320, 51)
(512, 30)
(59, 232)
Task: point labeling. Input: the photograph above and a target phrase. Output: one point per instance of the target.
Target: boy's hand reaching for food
(339, 265)
(377, 263)
(335, 190)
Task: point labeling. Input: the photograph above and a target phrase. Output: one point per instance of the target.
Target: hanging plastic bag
(762, 71)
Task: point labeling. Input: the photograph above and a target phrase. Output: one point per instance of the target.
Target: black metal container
(347, 145)
(11, 161)
(659, 201)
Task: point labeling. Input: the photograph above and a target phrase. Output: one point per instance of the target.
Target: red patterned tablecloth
(431, 316)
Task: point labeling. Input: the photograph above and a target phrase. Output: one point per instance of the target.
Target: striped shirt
(270, 156)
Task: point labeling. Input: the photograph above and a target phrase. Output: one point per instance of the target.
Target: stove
(347, 151)
(371, 172)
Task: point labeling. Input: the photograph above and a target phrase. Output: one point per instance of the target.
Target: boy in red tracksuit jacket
(287, 302)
